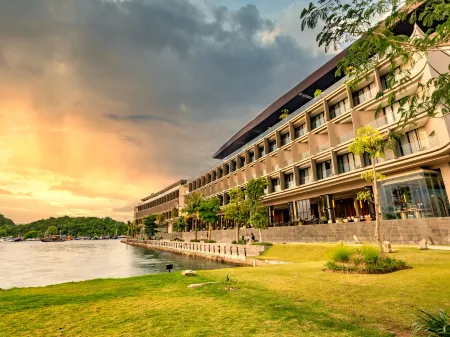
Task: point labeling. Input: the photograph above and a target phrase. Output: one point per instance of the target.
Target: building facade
(311, 174)
(166, 203)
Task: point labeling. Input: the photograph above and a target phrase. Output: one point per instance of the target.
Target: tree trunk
(260, 235)
(195, 230)
(236, 226)
(210, 232)
(376, 199)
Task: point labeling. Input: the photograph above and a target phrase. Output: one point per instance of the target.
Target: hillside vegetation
(84, 226)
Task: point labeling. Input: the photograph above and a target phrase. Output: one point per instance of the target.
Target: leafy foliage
(150, 226)
(77, 226)
(345, 22)
(237, 209)
(437, 324)
(341, 254)
(284, 114)
(208, 209)
(317, 92)
(52, 230)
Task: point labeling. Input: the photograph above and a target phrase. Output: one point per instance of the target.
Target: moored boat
(54, 238)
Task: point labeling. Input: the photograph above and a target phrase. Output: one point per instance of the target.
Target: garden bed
(366, 260)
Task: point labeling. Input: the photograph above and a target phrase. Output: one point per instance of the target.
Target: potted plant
(323, 219)
(339, 220)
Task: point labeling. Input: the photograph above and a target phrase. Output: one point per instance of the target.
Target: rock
(423, 244)
(198, 285)
(188, 273)
(355, 238)
(387, 247)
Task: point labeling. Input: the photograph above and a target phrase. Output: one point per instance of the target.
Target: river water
(29, 264)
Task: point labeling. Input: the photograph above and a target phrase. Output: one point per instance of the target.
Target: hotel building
(305, 159)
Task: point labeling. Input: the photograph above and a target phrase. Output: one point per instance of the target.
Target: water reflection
(25, 264)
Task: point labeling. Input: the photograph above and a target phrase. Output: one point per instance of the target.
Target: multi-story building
(168, 202)
(305, 157)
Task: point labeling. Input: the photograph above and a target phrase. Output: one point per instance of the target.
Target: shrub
(210, 241)
(438, 324)
(262, 244)
(193, 240)
(240, 242)
(341, 254)
(370, 254)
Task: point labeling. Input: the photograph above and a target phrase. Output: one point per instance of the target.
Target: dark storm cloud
(169, 63)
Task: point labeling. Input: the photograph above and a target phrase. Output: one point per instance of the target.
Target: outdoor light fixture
(169, 267)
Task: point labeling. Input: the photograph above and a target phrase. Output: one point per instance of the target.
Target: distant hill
(75, 226)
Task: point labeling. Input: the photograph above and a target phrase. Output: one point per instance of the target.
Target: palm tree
(191, 208)
(160, 218)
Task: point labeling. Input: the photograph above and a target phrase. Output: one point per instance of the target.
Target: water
(29, 264)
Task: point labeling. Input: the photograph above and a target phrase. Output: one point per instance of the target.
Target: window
(324, 170)
(339, 108)
(272, 146)
(251, 156)
(289, 180)
(304, 176)
(317, 120)
(366, 159)
(346, 163)
(233, 166)
(415, 141)
(220, 172)
(241, 161)
(364, 94)
(276, 185)
(303, 209)
(387, 80)
(285, 138)
(300, 130)
(261, 151)
(227, 169)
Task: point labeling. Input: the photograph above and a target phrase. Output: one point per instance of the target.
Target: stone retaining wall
(397, 231)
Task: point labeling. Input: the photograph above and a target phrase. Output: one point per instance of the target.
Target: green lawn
(297, 299)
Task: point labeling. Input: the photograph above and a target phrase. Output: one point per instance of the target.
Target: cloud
(116, 99)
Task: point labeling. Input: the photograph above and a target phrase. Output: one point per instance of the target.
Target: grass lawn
(297, 299)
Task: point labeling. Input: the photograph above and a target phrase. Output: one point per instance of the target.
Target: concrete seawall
(220, 252)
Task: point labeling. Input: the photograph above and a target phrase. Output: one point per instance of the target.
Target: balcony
(285, 139)
(322, 147)
(303, 155)
(382, 121)
(364, 97)
(421, 145)
(300, 132)
(345, 137)
(277, 188)
(288, 162)
(272, 148)
(317, 123)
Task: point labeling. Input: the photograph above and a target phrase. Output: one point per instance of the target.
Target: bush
(210, 241)
(193, 240)
(240, 242)
(438, 324)
(341, 254)
(370, 254)
(364, 261)
(262, 244)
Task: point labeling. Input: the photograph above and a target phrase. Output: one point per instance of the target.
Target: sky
(103, 102)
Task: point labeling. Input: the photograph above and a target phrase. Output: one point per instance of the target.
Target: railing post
(245, 252)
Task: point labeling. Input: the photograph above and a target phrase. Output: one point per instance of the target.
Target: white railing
(317, 123)
(364, 97)
(289, 184)
(382, 121)
(421, 145)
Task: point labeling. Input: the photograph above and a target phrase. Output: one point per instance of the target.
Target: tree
(208, 212)
(258, 213)
(179, 226)
(237, 209)
(191, 208)
(369, 140)
(52, 230)
(345, 22)
(30, 235)
(150, 225)
(160, 218)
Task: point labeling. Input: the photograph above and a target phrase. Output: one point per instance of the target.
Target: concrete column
(292, 130)
(266, 145)
(334, 163)
(282, 181)
(378, 80)
(278, 139)
(297, 176)
(350, 96)
(445, 172)
(269, 185)
(247, 157)
(256, 151)
(313, 173)
(326, 110)
(356, 206)
(308, 121)
(225, 199)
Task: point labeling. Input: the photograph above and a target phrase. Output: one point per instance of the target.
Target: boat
(95, 238)
(19, 239)
(54, 238)
(122, 236)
